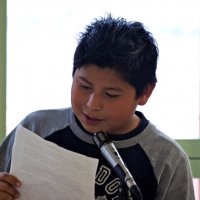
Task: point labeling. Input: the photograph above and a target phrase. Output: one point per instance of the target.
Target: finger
(5, 196)
(9, 178)
(8, 190)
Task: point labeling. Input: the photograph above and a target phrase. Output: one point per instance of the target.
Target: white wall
(42, 38)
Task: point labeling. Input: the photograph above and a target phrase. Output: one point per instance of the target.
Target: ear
(142, 100)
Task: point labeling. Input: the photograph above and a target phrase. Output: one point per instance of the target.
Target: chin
(92, 130)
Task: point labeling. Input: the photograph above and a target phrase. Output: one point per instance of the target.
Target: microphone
(111, 154)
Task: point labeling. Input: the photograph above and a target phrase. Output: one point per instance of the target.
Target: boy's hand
(8, 186)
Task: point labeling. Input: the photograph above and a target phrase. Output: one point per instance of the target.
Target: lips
(91, 120)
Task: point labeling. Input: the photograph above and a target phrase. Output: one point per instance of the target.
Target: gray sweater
(158, 164)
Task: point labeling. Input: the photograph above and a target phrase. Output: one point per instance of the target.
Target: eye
(112, 95)
(86, 87)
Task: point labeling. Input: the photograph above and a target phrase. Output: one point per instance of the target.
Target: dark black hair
(124, 46)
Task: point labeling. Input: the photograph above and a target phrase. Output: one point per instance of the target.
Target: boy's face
(102, 101)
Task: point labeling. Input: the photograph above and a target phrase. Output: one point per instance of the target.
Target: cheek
(75, 96)
(120, 109)
(78, 98)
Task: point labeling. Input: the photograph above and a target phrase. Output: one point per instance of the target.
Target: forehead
(99, 73)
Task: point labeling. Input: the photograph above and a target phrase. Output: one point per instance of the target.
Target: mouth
(92, 120)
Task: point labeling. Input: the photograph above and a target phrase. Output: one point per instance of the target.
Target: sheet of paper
(49, 172)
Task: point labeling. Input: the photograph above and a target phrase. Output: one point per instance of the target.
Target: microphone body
(113, 157)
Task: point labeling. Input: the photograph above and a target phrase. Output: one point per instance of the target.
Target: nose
(94, 102)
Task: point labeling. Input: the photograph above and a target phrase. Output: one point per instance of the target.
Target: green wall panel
(192, 148)
(2, 69)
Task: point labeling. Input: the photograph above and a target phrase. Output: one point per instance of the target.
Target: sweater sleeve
(180, 186)
(6, 152)
(42, 122)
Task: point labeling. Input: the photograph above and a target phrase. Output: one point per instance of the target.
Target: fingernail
(17, 196)
(18, 184)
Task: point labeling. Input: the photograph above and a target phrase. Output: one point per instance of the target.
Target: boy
(114, 71)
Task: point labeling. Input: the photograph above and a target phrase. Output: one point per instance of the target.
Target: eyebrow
(85, 80)
(107, 88)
